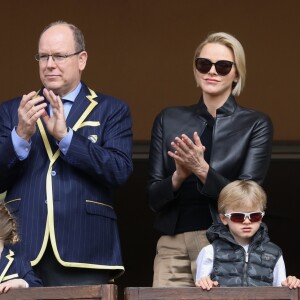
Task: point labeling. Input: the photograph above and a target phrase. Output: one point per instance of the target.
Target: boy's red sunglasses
(240, 217)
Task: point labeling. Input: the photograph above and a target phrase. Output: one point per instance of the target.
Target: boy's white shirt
(205, 261)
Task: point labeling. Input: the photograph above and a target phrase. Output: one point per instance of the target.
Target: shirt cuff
(22, 147)
(64, 144)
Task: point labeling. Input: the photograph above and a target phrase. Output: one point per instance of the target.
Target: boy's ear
(223, 219)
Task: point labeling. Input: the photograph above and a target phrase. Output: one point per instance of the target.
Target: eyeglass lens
(223, 67)
(240, 217)
(55, 57)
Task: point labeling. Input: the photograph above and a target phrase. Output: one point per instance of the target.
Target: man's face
(63, 76)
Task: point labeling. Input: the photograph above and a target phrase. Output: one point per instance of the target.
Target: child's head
(8, 226)
(241, 207)
(243, 196)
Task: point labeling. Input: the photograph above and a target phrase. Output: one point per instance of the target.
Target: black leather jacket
(241, 149)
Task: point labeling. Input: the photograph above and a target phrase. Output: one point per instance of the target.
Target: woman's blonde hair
(242, 194)
(8, 226)
(236, 47)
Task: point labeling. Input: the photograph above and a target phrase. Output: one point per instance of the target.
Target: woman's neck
(214, 102)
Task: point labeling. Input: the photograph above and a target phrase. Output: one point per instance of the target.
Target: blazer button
(46, 201)
(53, 173)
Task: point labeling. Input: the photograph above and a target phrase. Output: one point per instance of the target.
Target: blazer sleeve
(27, 273)
(10, 165)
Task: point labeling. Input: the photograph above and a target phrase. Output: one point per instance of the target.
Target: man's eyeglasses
(223, 67)
(239, 217)
(58, 58)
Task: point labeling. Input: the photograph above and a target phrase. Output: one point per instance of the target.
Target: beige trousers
(175, 260)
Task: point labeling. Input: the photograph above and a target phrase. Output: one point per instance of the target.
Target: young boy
(241, 253)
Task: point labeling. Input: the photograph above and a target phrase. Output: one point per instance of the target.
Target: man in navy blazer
(63, 150)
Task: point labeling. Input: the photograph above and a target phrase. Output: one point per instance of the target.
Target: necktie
(67, 106)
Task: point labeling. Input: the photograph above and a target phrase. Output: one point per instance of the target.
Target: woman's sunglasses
(239, 217)
(223, 67)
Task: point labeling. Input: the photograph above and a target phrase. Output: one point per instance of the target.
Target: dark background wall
(142, 51)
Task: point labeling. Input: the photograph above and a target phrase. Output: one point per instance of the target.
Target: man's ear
(82, 60)
(223, 219)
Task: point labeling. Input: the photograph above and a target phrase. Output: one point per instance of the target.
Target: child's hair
(242, 194)
(8, 226)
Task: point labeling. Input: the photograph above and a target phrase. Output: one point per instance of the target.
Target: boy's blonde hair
(242, 195)
(8, 226)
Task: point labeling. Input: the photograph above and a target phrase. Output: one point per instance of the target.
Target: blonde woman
(197, 150)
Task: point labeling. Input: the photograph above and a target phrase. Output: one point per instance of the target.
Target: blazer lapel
(49, 141)
(81, 107)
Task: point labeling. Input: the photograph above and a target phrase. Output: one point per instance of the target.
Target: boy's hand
(206, 283)
(292, 282)
(12, 284)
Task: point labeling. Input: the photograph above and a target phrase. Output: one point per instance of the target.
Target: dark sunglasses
(223, 67)
(239, 217)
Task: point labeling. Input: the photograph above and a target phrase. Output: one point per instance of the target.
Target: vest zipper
(245, 268)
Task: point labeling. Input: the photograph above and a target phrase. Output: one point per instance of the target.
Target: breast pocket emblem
(93, 138)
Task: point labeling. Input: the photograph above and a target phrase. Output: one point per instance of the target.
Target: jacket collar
(219, 230)
(227, 109)
(85, 98)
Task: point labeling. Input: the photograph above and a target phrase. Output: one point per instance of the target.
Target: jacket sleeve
(160, 190)
(10, 165)
(255, 162)
(27, 273)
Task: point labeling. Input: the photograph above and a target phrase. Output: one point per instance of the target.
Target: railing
(109, 292)
(218, 293)
(83, 292)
